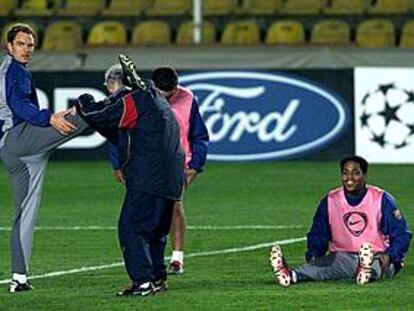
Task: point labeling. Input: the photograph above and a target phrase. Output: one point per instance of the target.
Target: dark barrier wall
(252, 115)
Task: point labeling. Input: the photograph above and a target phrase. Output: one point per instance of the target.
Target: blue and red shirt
(145, 130)
(197, 138)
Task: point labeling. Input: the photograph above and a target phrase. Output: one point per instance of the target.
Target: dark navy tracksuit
(147, 134)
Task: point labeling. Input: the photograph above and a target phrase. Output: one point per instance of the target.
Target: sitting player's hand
(384, 260)
(63, 126)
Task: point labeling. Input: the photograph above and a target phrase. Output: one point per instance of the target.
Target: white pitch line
(105, 228)
(209, 253)
(253, 227)
(247, 248)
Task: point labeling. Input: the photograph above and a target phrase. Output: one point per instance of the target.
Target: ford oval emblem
(259, 116)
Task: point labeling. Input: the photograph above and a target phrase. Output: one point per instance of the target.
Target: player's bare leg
(177, 236)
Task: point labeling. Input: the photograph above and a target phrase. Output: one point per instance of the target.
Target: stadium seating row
(68, 35)
(152, 8)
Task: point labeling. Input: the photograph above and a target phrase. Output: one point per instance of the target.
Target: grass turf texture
(83, 194)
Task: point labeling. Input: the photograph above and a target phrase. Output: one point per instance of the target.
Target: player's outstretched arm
(99, 114)
(110, 113)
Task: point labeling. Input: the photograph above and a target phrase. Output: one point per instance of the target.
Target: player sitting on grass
(361, 226)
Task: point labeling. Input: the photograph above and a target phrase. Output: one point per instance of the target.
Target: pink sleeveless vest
(353, 225)
(181, 103)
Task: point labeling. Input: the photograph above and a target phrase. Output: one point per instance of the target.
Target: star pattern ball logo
(388, 116)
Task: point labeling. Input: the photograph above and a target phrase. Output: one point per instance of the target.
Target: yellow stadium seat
(6, 6)
(169, 7)
(346, 7)
(108, 33)
(390, 7)
(81, 7)
(151, 33)
(63, 36)
(185, 33)
(330, 32)
(34, 8)
(407, 35)
(241, 33)
(218, 7)
(374, 33)
(127, 7)
(285, 32)
(260, 7)
(303, 7)
(7, 27)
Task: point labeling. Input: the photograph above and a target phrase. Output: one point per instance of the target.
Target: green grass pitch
(83, 194)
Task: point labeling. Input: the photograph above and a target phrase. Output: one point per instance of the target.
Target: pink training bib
(181, 103)
(353, 225)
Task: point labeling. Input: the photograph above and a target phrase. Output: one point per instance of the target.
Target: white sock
(21, 278)
(144, 285)
(177, 256)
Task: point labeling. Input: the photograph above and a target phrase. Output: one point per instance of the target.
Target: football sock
(144, 285)
(177, 256)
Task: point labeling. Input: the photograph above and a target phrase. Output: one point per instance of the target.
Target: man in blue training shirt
(152, 166)
(361, 226)
(28, 135)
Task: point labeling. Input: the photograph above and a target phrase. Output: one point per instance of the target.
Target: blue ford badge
(258, 116)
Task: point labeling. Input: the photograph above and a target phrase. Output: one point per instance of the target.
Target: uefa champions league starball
(388, 116)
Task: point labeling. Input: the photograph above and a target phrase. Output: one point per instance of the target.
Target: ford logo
(259, 116)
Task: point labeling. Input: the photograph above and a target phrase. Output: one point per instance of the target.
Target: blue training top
(18, 99)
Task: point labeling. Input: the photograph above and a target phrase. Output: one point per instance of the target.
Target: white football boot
(277, 262)
(366, 259)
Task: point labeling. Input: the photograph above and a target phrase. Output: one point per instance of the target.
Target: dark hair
(354, 158)
(165, 78)
(16, 28)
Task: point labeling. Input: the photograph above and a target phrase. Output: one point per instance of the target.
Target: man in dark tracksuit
(153, 162)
